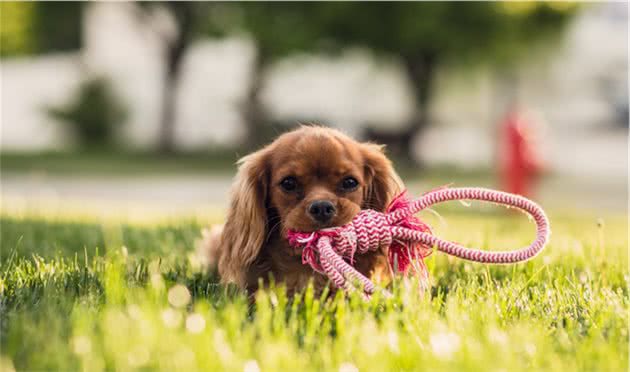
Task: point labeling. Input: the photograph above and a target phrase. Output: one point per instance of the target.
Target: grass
(90, 295)
(123, 163)
(117, 162)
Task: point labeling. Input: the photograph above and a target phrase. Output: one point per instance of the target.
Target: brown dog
(307, 179)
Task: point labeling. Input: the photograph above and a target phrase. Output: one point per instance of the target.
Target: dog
(307, 179)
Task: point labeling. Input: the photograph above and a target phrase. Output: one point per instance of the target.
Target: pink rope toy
(407, 239)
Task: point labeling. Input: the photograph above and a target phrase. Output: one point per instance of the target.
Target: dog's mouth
(296, 250)
(314, 226)
(321, 226)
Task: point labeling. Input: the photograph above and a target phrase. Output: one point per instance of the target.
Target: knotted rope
(405, 238)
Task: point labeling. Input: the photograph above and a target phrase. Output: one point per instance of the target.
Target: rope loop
(407, 238)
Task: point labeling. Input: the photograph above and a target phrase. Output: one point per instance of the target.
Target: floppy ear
(245, 229)
(383, 183)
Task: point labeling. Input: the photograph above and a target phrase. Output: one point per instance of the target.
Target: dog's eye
(289, 184)
(349, 183)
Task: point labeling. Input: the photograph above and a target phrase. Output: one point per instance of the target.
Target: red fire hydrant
(520, 162)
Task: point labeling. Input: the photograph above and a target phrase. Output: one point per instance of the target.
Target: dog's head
(307, 179)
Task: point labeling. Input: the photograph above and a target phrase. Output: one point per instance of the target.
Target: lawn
(117, 162)
(123, 163)
(81, 294)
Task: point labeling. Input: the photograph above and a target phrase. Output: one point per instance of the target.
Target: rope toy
(407, 240)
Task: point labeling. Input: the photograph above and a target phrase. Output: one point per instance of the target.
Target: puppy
(307, 179)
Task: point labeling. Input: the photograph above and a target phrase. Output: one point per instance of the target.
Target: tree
(193, 20)
(428, 35)
(93, 114)
(278, 29)
(32, 28)
(424, 35)
(39, 27)
(186, 16)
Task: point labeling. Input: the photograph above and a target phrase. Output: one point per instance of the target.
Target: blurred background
(143, 108)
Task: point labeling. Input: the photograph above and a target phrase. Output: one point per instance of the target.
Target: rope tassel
(407, 239)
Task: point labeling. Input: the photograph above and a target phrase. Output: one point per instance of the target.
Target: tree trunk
(169, 102)
(421, 70)
(253, 112)
(176, 49)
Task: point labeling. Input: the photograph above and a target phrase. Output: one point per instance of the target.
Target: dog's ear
(246, 226)
(383, 183)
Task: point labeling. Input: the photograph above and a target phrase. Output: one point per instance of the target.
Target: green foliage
(424, 36)
(104, 161)
(94, 114)
(451, 30)
(194, 19)
(67, 306)
(15, 18)
(39, 27)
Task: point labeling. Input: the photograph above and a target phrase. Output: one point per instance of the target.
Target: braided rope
(454, 249)
(371, 230)
(339, 271)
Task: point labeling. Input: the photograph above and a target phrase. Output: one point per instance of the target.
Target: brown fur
(253, 243)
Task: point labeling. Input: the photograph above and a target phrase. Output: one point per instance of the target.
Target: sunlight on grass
(101, 294)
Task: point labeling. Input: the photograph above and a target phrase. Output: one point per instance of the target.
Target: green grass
(72, 298)
(117, 162)
(121, 163)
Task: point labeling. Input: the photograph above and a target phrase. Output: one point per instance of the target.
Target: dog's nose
(322, 210)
